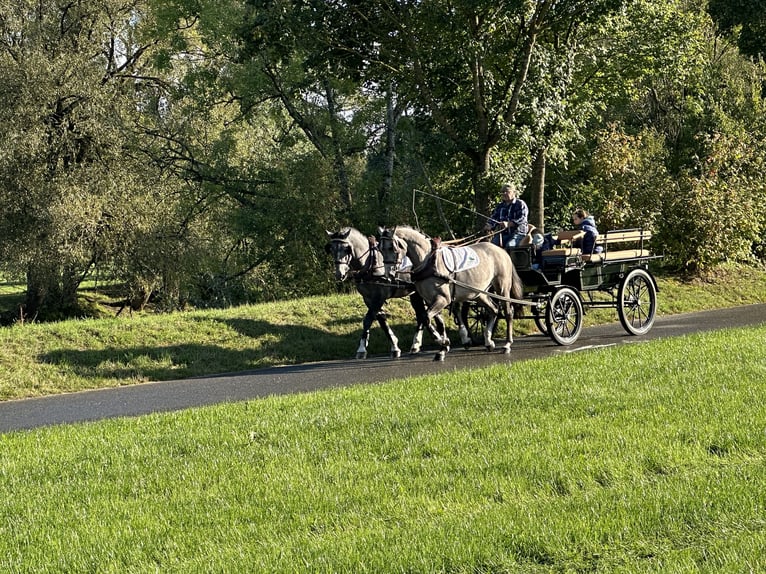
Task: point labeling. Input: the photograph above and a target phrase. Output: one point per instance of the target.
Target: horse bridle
(342, 246)
(398, 248)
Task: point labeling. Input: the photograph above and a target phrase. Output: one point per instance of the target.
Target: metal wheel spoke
(637, 302)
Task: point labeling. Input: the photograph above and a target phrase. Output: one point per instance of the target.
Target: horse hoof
(439, 357)
(466, 346)
(361, 355)
(396, 354)
(415, 351)
(506, 350)
(490, 348)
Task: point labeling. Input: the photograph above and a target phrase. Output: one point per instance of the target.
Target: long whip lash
(465, 240)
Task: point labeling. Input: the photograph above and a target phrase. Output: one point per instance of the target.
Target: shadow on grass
(271, 345)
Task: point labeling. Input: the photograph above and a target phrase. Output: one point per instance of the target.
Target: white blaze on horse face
(341, 271)
(341, 254)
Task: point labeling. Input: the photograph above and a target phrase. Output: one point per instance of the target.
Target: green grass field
(636, 458)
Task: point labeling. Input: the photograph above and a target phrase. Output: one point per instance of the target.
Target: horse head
(342, 252)
(393, 249)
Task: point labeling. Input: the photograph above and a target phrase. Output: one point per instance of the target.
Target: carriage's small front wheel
(539, 311)
(475, 318)
(637, 302)
(564, 316)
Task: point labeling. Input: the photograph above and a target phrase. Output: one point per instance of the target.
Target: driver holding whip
(509, 218)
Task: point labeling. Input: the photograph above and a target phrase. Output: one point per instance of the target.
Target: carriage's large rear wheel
(637, 302)
(564, 315)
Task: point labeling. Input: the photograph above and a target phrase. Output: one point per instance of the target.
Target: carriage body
(561, 284)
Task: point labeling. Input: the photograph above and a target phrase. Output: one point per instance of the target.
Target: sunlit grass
(637, 458)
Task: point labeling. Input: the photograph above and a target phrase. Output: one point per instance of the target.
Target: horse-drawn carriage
(557, 285)
(560, 284)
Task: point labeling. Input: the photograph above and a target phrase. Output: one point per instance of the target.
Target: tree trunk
(50, 288)
(389, 154)
(537, 190)
(484, 196)
(337, 150)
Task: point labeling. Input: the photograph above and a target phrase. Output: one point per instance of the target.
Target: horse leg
(422, 320)
(396, 352)
(361, 351)
(461, 319)
(440, 332)
(508, 328)
(487, 301)
(443, 340)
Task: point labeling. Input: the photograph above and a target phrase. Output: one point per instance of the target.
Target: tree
(464, 67)
(67, 80)
(746, 20)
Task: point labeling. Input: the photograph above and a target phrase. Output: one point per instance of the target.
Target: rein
(492, 295)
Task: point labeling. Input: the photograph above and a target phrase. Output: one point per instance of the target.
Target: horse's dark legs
(487, 301)
(461, 319)
(439, 331)
(441, 337)
(374, 312)
(421, 316)
(361, 351)
(396, 352)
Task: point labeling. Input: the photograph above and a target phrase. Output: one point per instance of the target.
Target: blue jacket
(588, 243)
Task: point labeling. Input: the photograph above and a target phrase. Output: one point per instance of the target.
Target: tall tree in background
(66, 76)
(464, 66)
(288, 55)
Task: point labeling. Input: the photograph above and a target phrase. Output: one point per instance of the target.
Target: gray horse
(356, 255)
(434, 281)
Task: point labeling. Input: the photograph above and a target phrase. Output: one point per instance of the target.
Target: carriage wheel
(637, 302)
(563, 316)
(539, 311)
(475, 318)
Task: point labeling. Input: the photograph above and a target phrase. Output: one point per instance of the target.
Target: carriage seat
(616, 255)
(562, 252)
(569, 235)
(629, 242)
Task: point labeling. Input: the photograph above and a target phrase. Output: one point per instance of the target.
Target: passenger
(510, 217)
(586, 223)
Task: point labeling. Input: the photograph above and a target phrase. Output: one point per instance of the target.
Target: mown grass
(636, 458)
(42, 359)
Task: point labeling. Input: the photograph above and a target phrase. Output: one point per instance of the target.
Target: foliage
(745, 20)
(628, 182)
(724, 194)
(195, 151)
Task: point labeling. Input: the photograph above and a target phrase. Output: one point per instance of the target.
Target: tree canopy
(195, 151)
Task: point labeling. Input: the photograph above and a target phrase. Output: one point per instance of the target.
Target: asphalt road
(166, 396)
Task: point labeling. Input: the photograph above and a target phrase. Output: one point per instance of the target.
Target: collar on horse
(373, 269)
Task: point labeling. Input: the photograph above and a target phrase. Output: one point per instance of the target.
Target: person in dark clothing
(586, 223)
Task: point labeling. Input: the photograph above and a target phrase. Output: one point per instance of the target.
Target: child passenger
(586, 223)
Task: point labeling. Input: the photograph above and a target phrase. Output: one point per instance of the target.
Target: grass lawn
(637, 458)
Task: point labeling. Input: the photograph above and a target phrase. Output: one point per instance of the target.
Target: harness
(372, 271)
(427, 268)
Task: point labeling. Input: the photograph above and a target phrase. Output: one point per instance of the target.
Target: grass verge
(638, 458)
(43, 359)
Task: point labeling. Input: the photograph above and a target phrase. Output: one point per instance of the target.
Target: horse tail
(517, 291)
